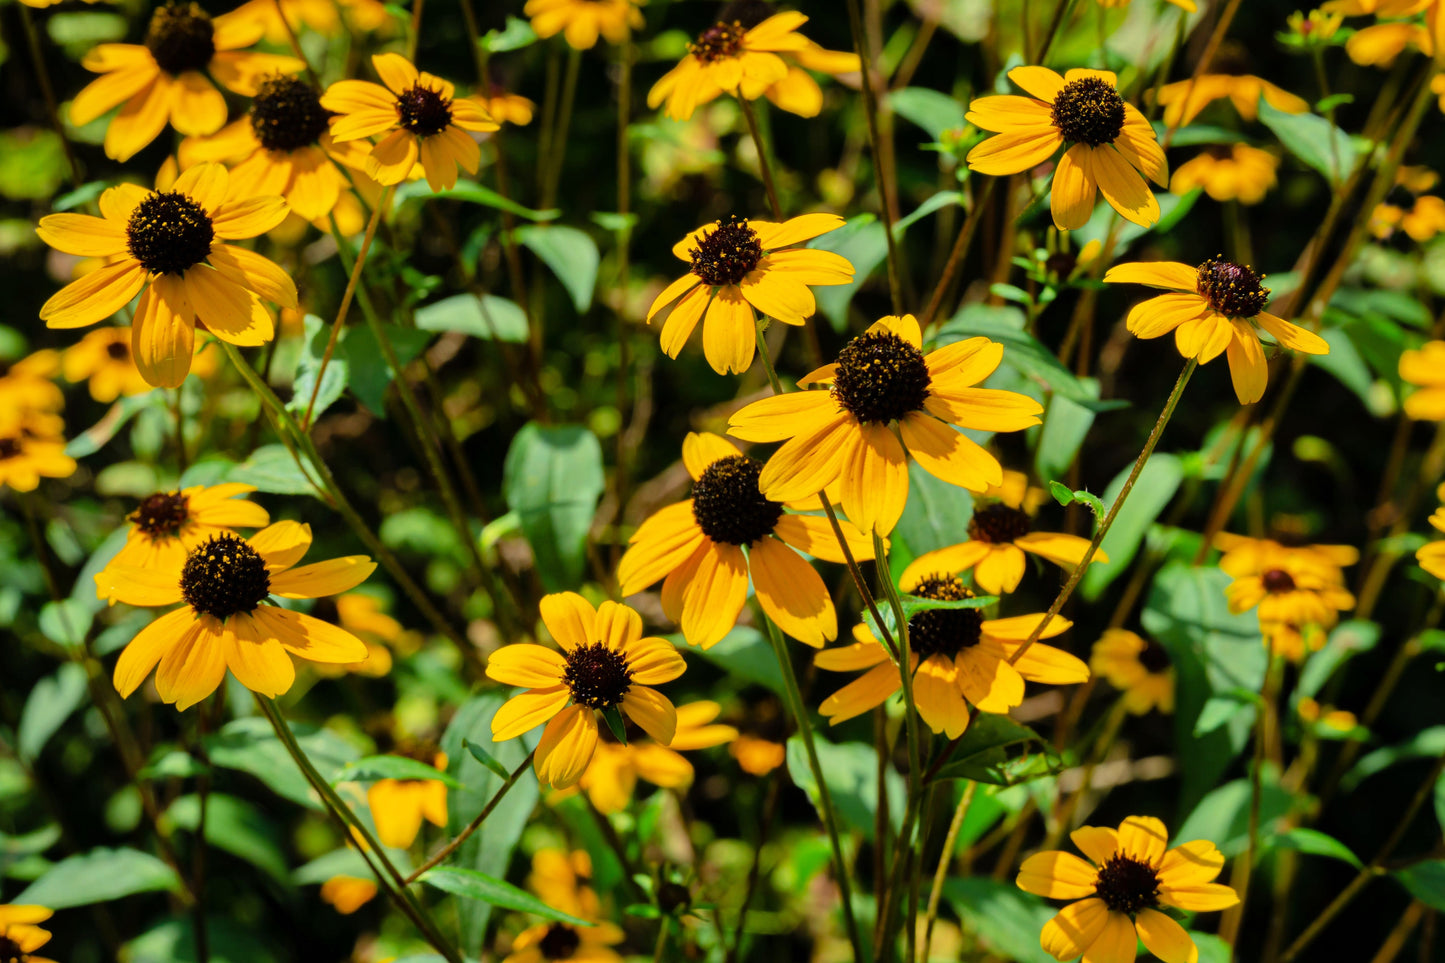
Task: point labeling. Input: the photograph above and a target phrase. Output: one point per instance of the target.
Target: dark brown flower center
(9, 448)
(1233, 290)
(287, 115)
(1127, 885)
(597, 675)
(1277, 580)
(161, 515)
(560, 943)
(944, 632)
(1154, 658)
(180, 38)
(718, 42)
(169, 233)
(727, 253)
(118, 350)
(728, 505)
(1089, 111)
(424, 111)
(881, 377)
(10, 951)
(998, 524)
(224, 577)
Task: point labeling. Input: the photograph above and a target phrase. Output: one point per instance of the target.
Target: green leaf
(744, 654)
(1157, 483)
(1316, 843)
(173, 941)
(552, 478)
(472, 193)
(863, 242)
(372, 768)
(371, 375)
(32, 163)
(79, 197)
(936, 515)
(481, 316)
(249, 745)
(52, 700)
(514, 36)
(470, 884)
(168, 762)
(308, 365)
(1348, 366)
(932, 110)
(1313, 140)
(98, 435)
(236, 827)
(67, 622)
(618, 727)
(851, 769)
(272, 469)
(1007, 920)
(99, 876)
(486, 758)
(1423, 744)
(983, 751)
(914, 603)
(571, 254)
(1066, 424)
(15, 849)
(1347, 640)
(1222, 816)
(1425, 881)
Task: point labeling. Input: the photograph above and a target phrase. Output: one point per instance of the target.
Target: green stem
(475, 824)
(763, 163)
(944, 859)
(564, 120)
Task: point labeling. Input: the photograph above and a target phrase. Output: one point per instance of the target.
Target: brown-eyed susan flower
(165, 79)
(611, 778)
(605, 664)
(1298, 598)
(957, 658)
(1184, 99)
(505, 107)
(328, 17)
(423, 119)
(167, 527)
(103, 360)
(1432, 556)
(1396, 28)
(1217, 308)
(1243, 555)
(25, 459)
(1424, 219)
(1138, 667)
(737, 266)
(168, 246)
(347, 894)
(20, 937)
(1120, 893)
(32, 399)
(762, 733)
(362, 616)
(705, 548)
(283, 146)
(228, 620)
(399, 805)
(581, 22)
(999, 533)
(558, 879)
(1234, 172)
(1110, 143)
(846, 434)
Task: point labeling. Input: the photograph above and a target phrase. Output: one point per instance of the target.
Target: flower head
(505, 107)
(956, 655)
(1299, 594)
(168, 526)
(1218, 307)
(1137, 667)
(1121, 891)
(605, 664)
(328, 17)
(611, 777)
(737, 266)
(169, 247)
(103, 359)
(1236, 172)
(581, 22)
(1184, 99)
(398, 805)
(1432, 556)
(228, 620)
(1111, 143)
(165, 78)
(559, 879)
(422, 118)
(881, 379)
(348, 893)
(20, 937)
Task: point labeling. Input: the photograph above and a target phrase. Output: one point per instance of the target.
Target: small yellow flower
(558, 880)
(1137, 667)
(1237, 172)
(167, 527)
(1432, 556)
(1316, 28)
(103, 359)
(1217, 308)
(328, 17)
(348, 893)
(24, 460)
(1299, 598)
(398, 805)
(1120, 894)
(20, 937)
(506, 108)
(1336, 720)
(581, 22)
(1243, 91)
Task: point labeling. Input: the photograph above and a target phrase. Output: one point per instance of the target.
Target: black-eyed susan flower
(25, 459)
(167, 527)
(1243, 555)
(611, 778)
(165, 79)
(1421, 221)
(399, 805)
(168, 246)
(737, 266)
(1138, 667)
(1234, 172)
(605, 664)
(328, 17)
(505, 107)
(1121, 892)
(999, 533)
(1110, 143)
(283, 146)
(705, 548)
(103, 360)
(228, 620)
(1184, 99)
(558, 880)
(581, 22)
(422, 118)
(846, 434)
(1217, 308)
(1298, 597)
(20, 937)
(1313, 29)
(1396, 29)
(1432, 556)
(33, 400)
(347, 894)
(957, 658)
(760, 746)
(362, 616)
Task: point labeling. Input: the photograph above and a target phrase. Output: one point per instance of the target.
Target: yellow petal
(570, 618)
(948, 454)
(1123, 188)
(1057, 875)
(715, 594)
(310, 638)
(653, 661)
(792, 594)
(256, 660)
(868, 691)
(143, 652)
(1074, 929)
(528, 710)
(1165, 938)
(1072, 196)
(566, 747)
(1170, 275)
(320, 579)
(281, 544)
(1015, 151)
(524, 664)
(875, 479)
(651, 710)
(1096, 842)
(936, 694)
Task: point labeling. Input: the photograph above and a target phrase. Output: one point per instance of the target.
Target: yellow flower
(25, 459)
(582, 21)
(556, 878)
(168, 526)
(103, 359)
(1237, 172)
(882, 377)
(228, 621)
(348, 893)
(424, 118)
(759, 747)
(398, 805)
(1315, 28)
(1217, 308)
(504, 107)
(1187, 5)
(163, 80)
(1243, 91)
(20, 937)
(748, 62)
(1120, 894)
(1243, 555)
(1432, 557)
(956, 654)
(329, 17)
(1336, 720)
(1137, 667)
(1424, 219)
(1299, 597)
(361, 615)
(282, 147)
(737, 266)
(697, 547)
(1111, 143)
(1379, 44)
(170, 243)
(611, 777)
(998, 535)
(605, 664)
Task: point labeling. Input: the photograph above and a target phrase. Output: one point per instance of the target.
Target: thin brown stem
(883, 173)
(763, 163)
(42, 77)
(445, 852)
